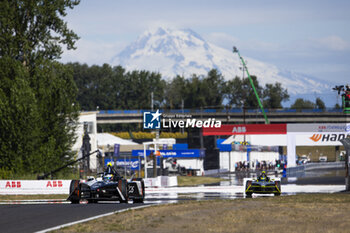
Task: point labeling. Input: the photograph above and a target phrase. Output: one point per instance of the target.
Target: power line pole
(152, 100)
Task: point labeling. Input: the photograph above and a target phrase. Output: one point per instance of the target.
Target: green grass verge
(32, 197)
(196, 180)
(299, 213)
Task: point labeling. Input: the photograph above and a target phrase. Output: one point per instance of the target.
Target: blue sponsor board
(133, 164)
(116, 150)
(190, 153)
(180, 146)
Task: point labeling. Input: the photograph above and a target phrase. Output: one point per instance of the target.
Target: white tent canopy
(104, 139)
(260, 140)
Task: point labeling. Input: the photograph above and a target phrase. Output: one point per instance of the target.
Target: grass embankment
(196, 180)
(300, 213)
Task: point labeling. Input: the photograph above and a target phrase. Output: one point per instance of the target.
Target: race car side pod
(68, 164)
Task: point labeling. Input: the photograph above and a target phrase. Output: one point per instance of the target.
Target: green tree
(320, 104)
(274, 95)
(84, 82)
(337, 106)
(240, 93)
(56, 97)
(109, 87)
(213, 89)
(197, 91)
(38, 95)
(137, 87)
(34, 29)
(195, 98)
(234, 92)
(175, 92)
(302, 104)
(19, 134)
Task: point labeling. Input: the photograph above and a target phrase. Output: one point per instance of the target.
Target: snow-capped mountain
(184, 52)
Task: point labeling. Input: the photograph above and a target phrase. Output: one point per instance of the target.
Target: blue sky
(311, 37)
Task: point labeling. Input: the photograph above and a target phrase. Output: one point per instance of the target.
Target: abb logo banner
(54, 183)
(13, 184)
(246, 129)
(24, 187)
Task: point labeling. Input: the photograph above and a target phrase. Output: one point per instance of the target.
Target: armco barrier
(27, 187)
(324, 165)
(296, 171)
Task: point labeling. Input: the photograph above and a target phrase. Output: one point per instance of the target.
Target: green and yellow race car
(263, 185)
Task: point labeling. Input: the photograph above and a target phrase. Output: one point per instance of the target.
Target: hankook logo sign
(328, 137)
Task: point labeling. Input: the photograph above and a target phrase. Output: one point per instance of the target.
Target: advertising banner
(132, 164)
(116, 150)
(25, 187)
(319, 128)
(246, 129)
(190, 153)
(319, 134)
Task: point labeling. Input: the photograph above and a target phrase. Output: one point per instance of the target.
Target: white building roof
(104, 139)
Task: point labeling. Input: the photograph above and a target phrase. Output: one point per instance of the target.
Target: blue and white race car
(108, 187)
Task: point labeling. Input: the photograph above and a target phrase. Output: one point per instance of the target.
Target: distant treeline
(107, 87)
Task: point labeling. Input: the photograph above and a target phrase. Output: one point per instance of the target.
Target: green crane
(235, 50)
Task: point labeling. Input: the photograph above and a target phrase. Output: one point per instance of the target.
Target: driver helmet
(109, 164)
(108, 177)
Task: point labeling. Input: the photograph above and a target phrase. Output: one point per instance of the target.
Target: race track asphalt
(36, 217)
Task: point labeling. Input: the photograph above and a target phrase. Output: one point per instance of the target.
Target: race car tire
(74, 191)
(140, 200)
(278, 185)
(248, 194)
(124, 190)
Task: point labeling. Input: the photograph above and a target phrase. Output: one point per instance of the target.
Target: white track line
(91, 218)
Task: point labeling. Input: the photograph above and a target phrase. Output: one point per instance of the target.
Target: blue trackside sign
(132, 164)
(190, 153)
